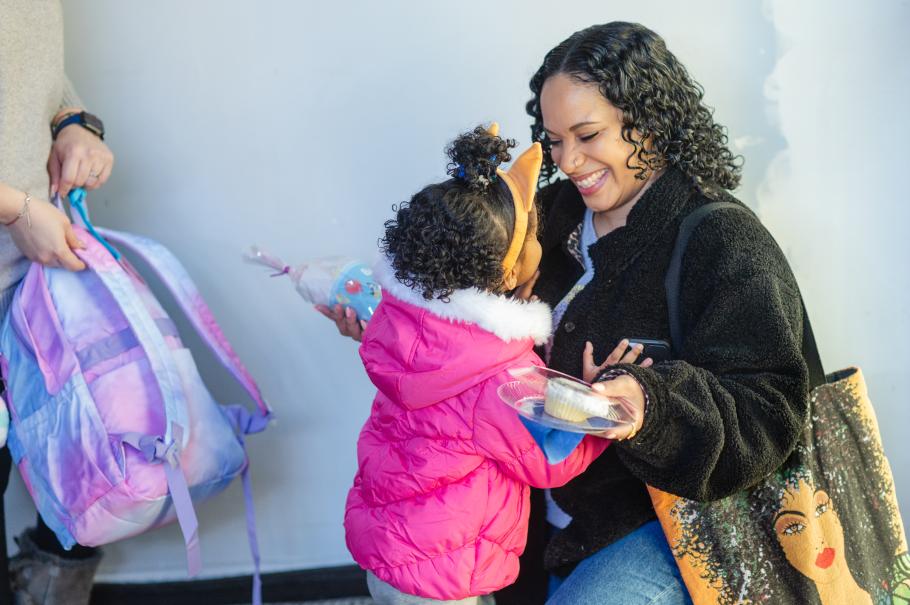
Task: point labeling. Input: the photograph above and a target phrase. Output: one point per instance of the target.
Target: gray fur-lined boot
(43, 578)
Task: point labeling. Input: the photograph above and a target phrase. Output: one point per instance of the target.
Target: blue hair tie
(461, 171)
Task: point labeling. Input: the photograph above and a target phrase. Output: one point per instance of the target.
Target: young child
(439, 507)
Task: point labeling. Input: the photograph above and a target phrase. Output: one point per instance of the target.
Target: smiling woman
(584, 132)
(619, 115)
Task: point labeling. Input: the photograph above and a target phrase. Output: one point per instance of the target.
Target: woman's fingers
(588, 366)
(626, 392)
(619, 434)
(82, 174)
(524, 291)
(72, 240)
(616, 354)
(53, 170)
(105, 174)
(93, 178)
(621, 354)
(69, 171)
(65, 257)
(68, 260)
(78, 159)
(633, 353)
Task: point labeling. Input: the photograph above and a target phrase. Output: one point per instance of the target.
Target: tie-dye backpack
(112, 428)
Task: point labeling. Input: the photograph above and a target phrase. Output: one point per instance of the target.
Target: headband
(521, 178)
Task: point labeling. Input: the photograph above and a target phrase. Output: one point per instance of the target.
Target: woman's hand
(345, 320)
(47, 237)
(78, 159)
(621, 354)
(625, 390)
(524, 290)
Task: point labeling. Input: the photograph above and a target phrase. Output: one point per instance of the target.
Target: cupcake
(573, 401)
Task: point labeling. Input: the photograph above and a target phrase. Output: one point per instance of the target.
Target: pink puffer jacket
(440, 502)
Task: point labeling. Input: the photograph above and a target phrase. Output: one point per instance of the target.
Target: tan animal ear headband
(521, 178)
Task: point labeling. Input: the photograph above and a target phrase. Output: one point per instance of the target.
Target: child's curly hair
(453, 235)
(634, 71)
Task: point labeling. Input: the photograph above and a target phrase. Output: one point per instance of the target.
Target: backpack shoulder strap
(176, 279)
(164, 449)
(672, 287)
(147, 333)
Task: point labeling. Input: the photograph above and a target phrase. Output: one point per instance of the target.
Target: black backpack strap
(672, 287)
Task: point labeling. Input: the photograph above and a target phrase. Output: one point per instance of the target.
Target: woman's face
(585, 133)
(810, 533)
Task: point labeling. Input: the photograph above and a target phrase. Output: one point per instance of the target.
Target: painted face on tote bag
(810, 533)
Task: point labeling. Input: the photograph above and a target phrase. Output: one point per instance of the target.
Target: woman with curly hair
(439, 507)
(619, 116)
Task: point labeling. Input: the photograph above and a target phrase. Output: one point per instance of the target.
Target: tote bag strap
(672, 285)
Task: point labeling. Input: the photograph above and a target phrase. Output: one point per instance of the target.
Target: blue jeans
(636, 570)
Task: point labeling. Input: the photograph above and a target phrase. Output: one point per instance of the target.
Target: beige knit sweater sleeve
(70, 98)
(33, 88)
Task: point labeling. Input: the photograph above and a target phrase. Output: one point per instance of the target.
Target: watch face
(92, 123)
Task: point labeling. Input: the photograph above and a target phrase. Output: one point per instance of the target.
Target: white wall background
(297, 125)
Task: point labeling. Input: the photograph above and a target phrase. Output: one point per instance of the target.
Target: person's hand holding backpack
(41, 231)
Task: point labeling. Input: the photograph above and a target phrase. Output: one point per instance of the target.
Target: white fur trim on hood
(507, 318)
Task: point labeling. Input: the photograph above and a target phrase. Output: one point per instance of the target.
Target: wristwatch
(88, 121)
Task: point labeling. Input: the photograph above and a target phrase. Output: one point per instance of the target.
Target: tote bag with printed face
(824, 528)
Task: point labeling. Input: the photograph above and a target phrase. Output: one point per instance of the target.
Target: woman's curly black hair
(660, 103)
(453, 235)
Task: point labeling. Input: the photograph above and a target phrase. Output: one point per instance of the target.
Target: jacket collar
(507, 318)
(657, 210)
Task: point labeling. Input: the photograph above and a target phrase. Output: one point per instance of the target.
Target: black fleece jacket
(729, 408)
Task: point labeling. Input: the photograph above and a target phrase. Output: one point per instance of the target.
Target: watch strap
(87, 121)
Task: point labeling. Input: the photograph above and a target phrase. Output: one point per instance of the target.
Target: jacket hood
(419, 352)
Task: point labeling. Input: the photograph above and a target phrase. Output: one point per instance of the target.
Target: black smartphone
(658, 350)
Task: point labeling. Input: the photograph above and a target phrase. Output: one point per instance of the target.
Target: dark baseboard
(303, 585)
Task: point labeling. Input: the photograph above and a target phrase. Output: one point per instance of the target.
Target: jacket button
(569, 326)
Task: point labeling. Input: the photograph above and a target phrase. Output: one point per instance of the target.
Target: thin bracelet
(24, 212)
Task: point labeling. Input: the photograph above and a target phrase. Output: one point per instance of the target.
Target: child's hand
(345, 320)
(621, 354)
